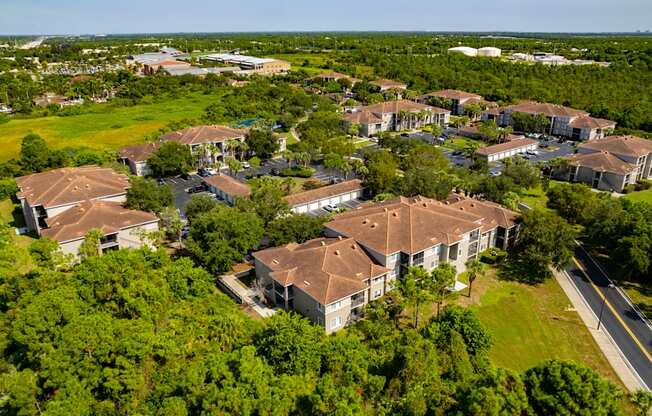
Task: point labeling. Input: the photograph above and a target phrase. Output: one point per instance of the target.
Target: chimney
(323, 243)
(337, 252)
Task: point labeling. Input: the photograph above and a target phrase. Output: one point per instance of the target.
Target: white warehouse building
(464, 50)
(489, 51)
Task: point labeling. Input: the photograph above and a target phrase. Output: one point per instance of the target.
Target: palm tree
(290, 156)
(475, 269)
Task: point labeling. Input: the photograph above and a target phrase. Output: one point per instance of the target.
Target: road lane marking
(625, 326)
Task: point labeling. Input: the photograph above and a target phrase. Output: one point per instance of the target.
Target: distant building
(489, 52)
(458, 100)
(260, 66)
(151, 68)
(335, 76)
(465, 50)
(388, 84)
(59, 100)
(564, 121)
(207, 144)
(395, 116)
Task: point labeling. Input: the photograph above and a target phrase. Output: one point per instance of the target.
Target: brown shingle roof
(550, 110)
(492, 214)
(400, 105)
(323, 192)
(509, 145)
(455, 95)
(601, 162)
(110, 217)
(362, 117)
(69, 185)
(327, 269)
(409, 225)
(204, 134)
(139, 152)
(622, 145)
(388, 83)
(229, 185)
(588, 122)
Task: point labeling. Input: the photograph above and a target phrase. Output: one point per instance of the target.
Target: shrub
(643, 185)
(7, 188)
(297, 171)
(629, 189)
(493, 255)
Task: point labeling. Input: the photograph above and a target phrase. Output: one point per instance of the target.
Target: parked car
(246, 165)
(458, 153)
(330, 208)
(203, 172)
(532, 152)
(495, 173)
(195, 189)
(211, 171)
(160, 181)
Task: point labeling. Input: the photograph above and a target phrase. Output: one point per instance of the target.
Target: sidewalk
(618, 362)
(246, 295)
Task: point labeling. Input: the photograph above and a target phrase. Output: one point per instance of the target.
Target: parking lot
(179, 189)
(352, 204)
(266, 168)
(554, 149)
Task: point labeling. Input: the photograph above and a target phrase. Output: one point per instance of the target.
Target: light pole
(604, 300)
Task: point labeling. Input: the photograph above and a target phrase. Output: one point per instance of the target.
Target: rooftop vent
(365, 221)
(395, 214)
(339, 237)
(323, 243)
(307, 283)
(472, 204)
(337, 252)
(275, 261)
(374, 225)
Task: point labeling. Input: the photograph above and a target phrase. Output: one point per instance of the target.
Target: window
(377, 294)
(417, 258)
(378, 280)
(336, 322)
(320, 307)
(334, 306)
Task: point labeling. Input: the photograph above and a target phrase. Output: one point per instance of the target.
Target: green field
(641, 196)
(106, 127)
(531, 324)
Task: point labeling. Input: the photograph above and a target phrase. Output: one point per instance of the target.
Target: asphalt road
(627, 328)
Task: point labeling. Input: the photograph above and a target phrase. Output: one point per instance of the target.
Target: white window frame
(336, 322)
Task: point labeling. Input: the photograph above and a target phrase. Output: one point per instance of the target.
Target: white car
(211, 171)
(246, 165)
(532, 152)
(330, 207)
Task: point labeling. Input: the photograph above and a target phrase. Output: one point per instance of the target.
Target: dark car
(160, 181)
(195, 189)
(203, 173)
(458, 153)
(275, 172)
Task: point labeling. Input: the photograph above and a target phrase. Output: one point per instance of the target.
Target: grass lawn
(535, 198)
(641, 196)
(531, 324)
(106, 127)
(461, 143)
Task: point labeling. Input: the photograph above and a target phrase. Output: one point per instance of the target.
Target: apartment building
(424, 232)
(388, 84)
(47, 194)
(208, 144)
(563, 121)
(64, 204)
(334, 76)
(227, 188)
(328, 280)
(121, 227)
(331, 279)
(395, 116)
(611, 163)
(335, 194)
(458, 100)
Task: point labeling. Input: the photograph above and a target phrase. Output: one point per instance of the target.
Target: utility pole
(604, 301)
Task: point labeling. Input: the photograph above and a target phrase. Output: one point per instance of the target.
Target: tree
(254, 162)
(234, 165)
(522, 172)
(47, 254)
(262, 143)
(91, 245)
(501, 392)
(443, 277)
(475, 269)
(172, 224)
(198, 204)
(267, 200)
(296, 228)
(427, 182)
(382, 172)
(34, 153)
(291, 344)
(146, 195)
(172, 158)
(642, 400)
(564, 387)
(415, 287)
(334, 161)
(465, 322)
(544, 240)
(221, 237)
(489, 131)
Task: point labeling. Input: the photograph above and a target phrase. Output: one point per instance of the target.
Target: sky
(147, 16)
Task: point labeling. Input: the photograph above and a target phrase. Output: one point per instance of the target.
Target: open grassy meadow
(531, 324)
(106, 127)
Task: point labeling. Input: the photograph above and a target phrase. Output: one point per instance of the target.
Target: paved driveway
(180, 190)
(352, 204)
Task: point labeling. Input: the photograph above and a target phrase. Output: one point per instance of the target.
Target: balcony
(357, 300)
